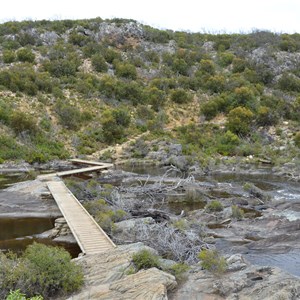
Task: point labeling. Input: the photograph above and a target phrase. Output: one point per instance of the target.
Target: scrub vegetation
(74, 87)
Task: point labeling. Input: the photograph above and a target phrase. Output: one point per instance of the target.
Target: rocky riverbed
(258, 224)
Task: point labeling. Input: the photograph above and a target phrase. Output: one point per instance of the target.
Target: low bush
(126, 70)
(8, 56)
(238, 65)
(155, 97)
(10, 149)
(266, 117)
(180, 96)
(25, 55)
(236, 212)
(212, 261)
(297, 139)
(99, 63)
(114, 123)
(145, 259)
(207, 67)
(69, 115)
(225, 59)
(179, 270)
(214, 206)
(239, 120)
(17, 295)
(43, 270)
(289, 83)
(23, 122)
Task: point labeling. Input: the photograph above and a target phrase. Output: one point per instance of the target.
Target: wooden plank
(83, 170)
(88, 234)
(90, 163)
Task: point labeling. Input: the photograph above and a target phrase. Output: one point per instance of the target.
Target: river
(17, 233)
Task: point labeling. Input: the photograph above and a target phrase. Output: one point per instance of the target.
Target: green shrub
(43, 270)
(227, 143)
(126, 70)
(212, 107)
(8, 56)
(130, 91)
(238, 65)
(180, 66)
(99, 63)
(239, 120)
(212, 261)
(23, 122)
(244, 96)
(297, 139)
(207, 66)
(78, 39)
(20, 78)
(114, 123)
(25, 55)
(180, 96)
(110, 55)
(144, 259)
(214, 206)
(152, 56)
(265, 116)
(288, 44)
(155, 97)
(215, 83)
(289, 83)
(17, 295)
(237, 213)
(69, 115)
(10, 150)
(225, 58)
(179, 270)
(60, 67)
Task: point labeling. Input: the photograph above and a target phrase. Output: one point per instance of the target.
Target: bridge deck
(83, 170)
(90, 163)
(88, 234)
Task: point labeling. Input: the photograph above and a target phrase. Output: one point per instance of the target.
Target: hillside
(73, 88)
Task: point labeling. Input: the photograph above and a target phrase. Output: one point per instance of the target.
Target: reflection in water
(287, 261)
(19, 227)
(17, 233)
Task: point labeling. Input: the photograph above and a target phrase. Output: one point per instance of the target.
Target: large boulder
(106, 277)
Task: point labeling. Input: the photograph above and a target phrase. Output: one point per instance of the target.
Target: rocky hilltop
(82, 87)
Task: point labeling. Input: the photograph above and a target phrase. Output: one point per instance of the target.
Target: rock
(248, 283)
(128, 226)
(175, 149)
(257, 192)
(105, 277)
(119, 32)
(49, 37)
(235, 262)
(178, 161)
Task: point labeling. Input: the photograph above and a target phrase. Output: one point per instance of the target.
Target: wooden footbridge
(88, 234)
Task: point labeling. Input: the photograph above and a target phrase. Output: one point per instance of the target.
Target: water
(17, 233)
(286, 261)
(10, 178)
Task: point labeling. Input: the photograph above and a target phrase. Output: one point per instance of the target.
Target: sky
(214, 16)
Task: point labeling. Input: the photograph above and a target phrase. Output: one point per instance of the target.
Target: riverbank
(268, 226)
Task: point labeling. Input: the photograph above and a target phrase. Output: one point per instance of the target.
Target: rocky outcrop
(249, 283)
(106, 277)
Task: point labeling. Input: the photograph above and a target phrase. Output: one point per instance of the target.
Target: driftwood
(157, 215)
